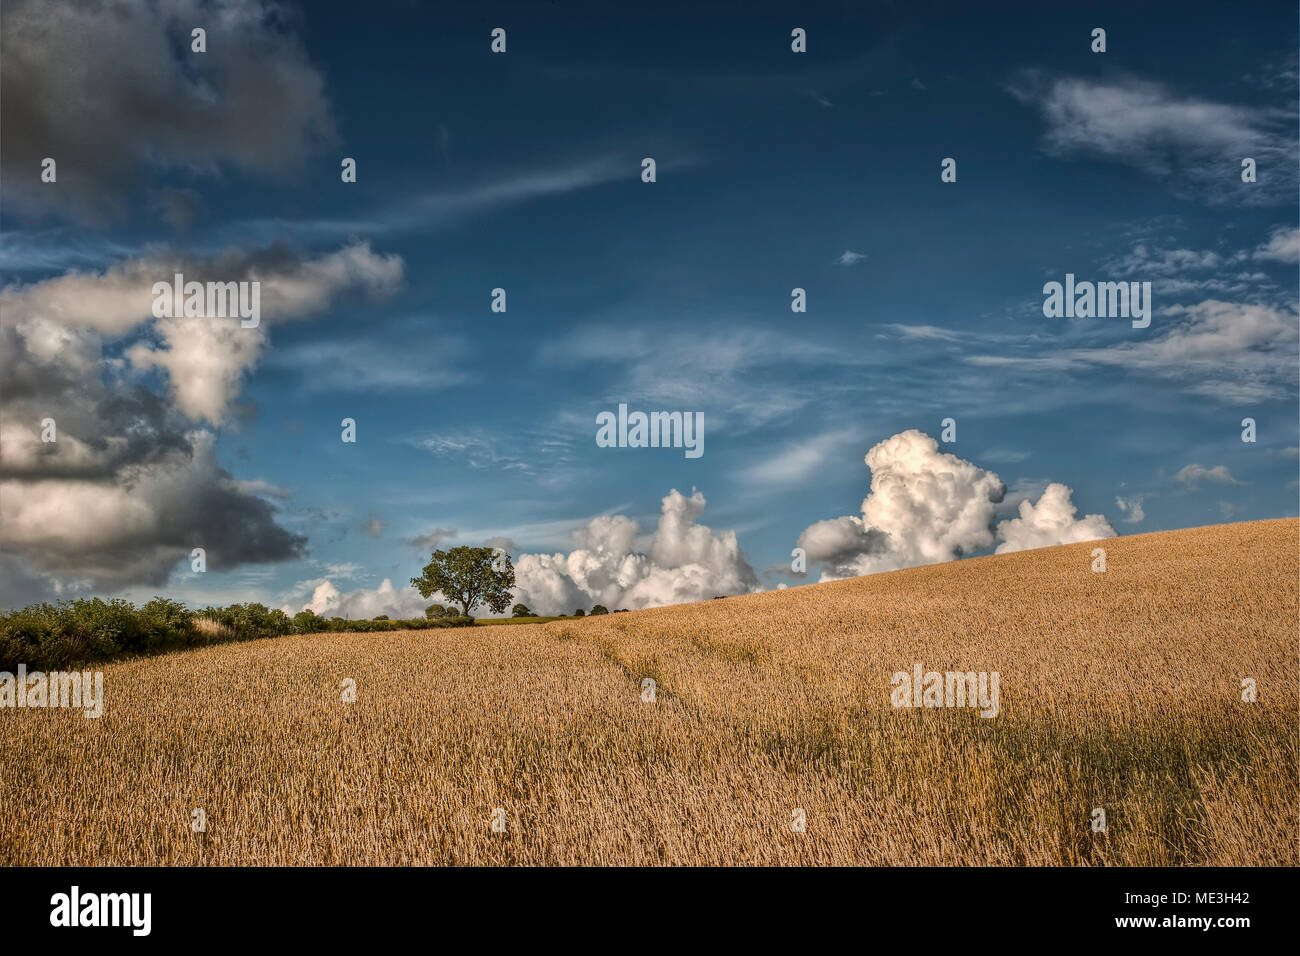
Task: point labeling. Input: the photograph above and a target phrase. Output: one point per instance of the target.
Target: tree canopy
(469, 577)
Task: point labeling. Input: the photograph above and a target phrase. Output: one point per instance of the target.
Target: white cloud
(1131, 508)
(205, 358)
(686, 562)
(850, 258)
(1051, 521)
(796, 462)
(923, 332)
(1236, 352)
(205, 362)
(1165, 262)
(1189, 142)
(477, 451)
(1282, 246)
(1193, 475)
(924, 506)
(366, 603)
(927, 506)
(258, 486)
(732, 374)
(372, 366)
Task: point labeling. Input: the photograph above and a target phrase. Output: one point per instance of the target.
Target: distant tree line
(52, 636)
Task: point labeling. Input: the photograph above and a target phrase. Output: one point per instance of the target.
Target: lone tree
(469, 577)
(599, 609)
(521, 610)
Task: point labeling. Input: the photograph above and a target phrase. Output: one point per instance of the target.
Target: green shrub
(50, 636)
(249, 621)
(309, 622)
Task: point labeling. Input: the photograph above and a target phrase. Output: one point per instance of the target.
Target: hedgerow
(52, 636)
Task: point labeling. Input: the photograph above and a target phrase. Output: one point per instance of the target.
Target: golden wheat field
(1119, 690)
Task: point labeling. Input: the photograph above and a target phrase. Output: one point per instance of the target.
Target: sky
(522, 170)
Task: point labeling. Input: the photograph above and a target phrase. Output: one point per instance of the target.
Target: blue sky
(521, 171)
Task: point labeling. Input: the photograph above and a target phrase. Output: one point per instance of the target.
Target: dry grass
(1118, 690)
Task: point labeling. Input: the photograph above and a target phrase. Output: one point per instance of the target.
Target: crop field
(771, 738)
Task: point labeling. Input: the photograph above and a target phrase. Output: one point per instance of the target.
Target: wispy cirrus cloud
(798, 461)
(1196, 145)
(1236, 352)
(445, 208)
(373, 364)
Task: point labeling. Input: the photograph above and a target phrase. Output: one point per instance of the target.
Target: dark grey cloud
(113, 93)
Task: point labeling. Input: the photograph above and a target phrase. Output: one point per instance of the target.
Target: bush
(51, 636)
(599, 609)
(309, 622)
(435, 611)
(250, 621)
(579, 613)
(381, 617)
(521, 610)
(344, 626)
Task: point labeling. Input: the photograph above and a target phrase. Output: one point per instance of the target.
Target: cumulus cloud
(686, 562)
(924, 506)
(128, 97)
(927, 506)
(132, 483)
(1050, 522)
(365, 603)
(205, 359)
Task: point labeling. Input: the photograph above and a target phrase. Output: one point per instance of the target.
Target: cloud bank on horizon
(925, 506)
